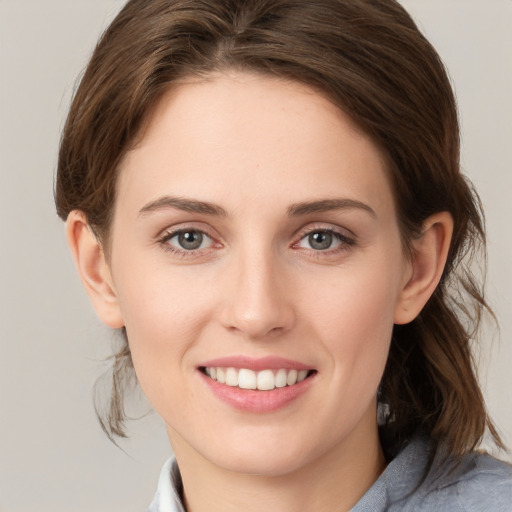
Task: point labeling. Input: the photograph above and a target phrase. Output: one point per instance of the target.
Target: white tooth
(246, 379)
(302, 375)
(292, 377)
(221, 375)
(266, 380)
(207, 371)
(231, 377)
(281, 378)
(213, 373)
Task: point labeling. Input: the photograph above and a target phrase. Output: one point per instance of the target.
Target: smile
(257, 385)
(263, 380)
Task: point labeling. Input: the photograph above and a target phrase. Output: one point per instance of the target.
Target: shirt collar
(169, 491)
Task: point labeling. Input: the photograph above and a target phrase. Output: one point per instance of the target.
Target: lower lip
(254, 401)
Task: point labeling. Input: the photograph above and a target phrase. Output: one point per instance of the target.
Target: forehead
(230, 136)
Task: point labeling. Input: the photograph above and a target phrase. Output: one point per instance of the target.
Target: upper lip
(255, 364)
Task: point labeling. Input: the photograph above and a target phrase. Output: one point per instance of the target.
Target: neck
(335, 481)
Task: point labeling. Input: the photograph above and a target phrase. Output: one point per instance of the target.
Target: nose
(257, 301)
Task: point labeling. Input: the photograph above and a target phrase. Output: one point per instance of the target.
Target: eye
(188, 240)
(324, 240)
(321, 240)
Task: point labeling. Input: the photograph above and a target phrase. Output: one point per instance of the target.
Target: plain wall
(53, 455)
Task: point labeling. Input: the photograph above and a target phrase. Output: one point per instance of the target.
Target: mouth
(257, 385)
(262, 380)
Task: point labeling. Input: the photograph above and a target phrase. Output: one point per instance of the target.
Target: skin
(257, 149)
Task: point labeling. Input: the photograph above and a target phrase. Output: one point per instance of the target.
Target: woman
(265, 197)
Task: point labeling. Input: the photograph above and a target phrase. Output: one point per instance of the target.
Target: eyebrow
(184, 204)
(295, 210)
(326, 205)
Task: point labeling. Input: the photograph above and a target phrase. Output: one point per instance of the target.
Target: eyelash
(346, 243)
(169, 235)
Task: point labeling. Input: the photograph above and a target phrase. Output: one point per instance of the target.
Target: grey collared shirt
(479, 483)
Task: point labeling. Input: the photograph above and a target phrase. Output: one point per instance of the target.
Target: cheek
(355, 322)
(164, 312)
(154, 294)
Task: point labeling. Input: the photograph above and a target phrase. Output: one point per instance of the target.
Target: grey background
(53, 456)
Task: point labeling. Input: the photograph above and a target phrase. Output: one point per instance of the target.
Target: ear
(429, 253)
(93, 269)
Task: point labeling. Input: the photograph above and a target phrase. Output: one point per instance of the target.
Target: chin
(268, 459)
(264, 465)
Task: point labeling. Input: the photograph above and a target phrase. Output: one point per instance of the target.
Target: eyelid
(186, 226)
(170, 232)
(347, 241)
(344, 235)
(176, 234)
(329, 228)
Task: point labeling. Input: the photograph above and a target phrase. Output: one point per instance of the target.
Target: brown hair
(368, 58)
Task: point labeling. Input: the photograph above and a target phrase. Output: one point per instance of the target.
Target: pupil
(320, 240)
(190, 240)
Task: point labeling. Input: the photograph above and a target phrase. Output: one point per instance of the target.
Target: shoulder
(479, 482)
(421, 479)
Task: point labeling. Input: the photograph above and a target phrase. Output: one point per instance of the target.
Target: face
(255, 245)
